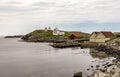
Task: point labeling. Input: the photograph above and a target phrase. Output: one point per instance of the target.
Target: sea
(30, 59)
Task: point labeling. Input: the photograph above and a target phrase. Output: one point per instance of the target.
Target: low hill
(47, 36)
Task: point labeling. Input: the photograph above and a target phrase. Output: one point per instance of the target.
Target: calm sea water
(23, 59)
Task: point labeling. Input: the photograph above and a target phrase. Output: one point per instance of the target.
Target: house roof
(76, 34)
(96, 34)
(108, 34)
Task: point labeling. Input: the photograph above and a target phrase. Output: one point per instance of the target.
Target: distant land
(15, 36)
(47, 36)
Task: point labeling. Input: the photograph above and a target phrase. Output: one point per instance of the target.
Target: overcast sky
(24, 16)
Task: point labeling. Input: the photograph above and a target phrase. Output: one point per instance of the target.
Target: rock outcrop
(112, 71)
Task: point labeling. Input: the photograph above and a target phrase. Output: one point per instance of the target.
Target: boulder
(78, 74)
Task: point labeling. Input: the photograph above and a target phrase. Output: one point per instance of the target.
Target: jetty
(65, 44)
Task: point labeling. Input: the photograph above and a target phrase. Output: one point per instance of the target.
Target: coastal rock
(16, 36)
(112, 71)
(78, 74)
(98, 54)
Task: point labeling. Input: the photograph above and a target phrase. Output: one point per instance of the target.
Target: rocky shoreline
(108, 70)
(111, 71)
(114, 69)
(110, 49)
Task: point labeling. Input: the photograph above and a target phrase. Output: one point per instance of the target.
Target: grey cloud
(14, 9)
(14, 2)
(17, 7)
(38, 6)
(22, 12)
(44, 4)
(61, 10)
(106, 4)
(58, 4)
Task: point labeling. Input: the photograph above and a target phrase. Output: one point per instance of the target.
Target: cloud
(44, 4)
(78, 10)
(14, 2)
(47, 12)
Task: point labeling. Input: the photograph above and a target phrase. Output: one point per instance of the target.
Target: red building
(74, 36)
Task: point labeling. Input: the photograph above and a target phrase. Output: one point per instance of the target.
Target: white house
(56, 31)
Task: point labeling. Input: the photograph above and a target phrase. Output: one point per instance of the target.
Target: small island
(59, 38)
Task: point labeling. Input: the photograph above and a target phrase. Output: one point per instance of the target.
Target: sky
(23, 16)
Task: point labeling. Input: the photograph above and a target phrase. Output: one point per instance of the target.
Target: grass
(43, 34)
(117, 35)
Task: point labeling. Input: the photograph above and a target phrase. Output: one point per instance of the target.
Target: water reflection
(78, 51)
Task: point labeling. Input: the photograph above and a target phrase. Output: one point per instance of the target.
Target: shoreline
(112, 70)
(15, 36)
